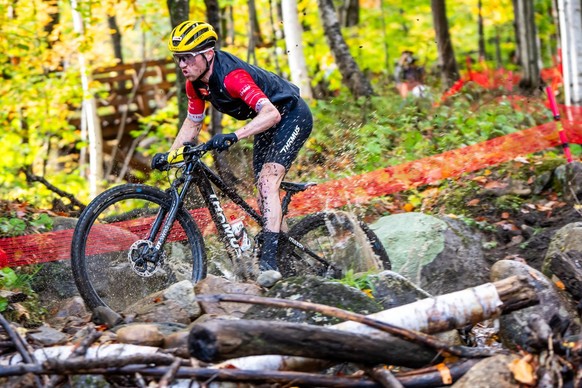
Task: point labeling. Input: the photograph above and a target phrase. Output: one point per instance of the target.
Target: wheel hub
(144, 259)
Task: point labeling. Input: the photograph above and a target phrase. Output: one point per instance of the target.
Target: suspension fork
(165, 218)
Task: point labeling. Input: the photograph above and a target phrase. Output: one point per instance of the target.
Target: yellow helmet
(192, 37)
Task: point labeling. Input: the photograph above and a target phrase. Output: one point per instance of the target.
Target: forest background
(49, 48)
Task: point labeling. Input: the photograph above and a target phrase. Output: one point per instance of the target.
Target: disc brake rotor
(142, 258)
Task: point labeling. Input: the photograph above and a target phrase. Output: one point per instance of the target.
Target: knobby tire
(335, 237)
(105, 231)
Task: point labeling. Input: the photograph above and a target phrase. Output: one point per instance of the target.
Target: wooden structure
(125, 93)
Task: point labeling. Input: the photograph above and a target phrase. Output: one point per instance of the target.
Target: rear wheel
(111, 256)
(347, 244)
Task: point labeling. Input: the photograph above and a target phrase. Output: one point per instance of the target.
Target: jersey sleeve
(196, 105)
(240, 84)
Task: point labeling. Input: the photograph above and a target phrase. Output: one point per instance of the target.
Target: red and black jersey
(239, 89)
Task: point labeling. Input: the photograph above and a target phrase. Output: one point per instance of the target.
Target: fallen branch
(30, 177)
(20, 346)
(199, 374)
(221, 339)
(432, 315)
(426, 377)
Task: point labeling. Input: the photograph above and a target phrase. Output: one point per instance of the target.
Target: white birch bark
(295, 55)
(426, 316)
(89, 115)
(570, 15)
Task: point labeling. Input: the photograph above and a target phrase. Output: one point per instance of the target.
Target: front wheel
(337, 238)
(111, 237)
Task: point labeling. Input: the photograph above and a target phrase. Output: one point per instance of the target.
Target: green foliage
(31, 313)
(350, 137)
(16, 225)
(361, 281)
(41, 89)
(508, 202)
(481, 225)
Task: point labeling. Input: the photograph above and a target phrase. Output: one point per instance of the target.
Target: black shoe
(269, 248)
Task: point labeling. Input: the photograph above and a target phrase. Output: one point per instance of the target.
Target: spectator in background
(409, 76)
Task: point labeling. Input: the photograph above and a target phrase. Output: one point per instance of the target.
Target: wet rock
(105, 316)
(47, 336)
(440, 255)
(492, 372)
(140, 334)
(268, 279)
(176, 303)
(217, 285)
(555, 306)
(569, 180)
(54, 283)
(567, 238)
(315, 290)
(563, 259)
(567, 267)
(391, 289)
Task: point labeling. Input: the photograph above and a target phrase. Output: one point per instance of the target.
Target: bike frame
(199, 174)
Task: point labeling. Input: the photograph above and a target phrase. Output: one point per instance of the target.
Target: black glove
(221, 142)
(160, 162)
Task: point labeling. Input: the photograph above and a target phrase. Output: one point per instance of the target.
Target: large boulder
(316, 290)
(440, 255)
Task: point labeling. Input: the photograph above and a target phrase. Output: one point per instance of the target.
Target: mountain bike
(134, 240)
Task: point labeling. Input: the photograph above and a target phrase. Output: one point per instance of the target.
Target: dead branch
(418, 378)
(385, 378)
(20, 345)
(405, 334)
(220, 339)
(201, 375)
(30, 178)
(433, 377)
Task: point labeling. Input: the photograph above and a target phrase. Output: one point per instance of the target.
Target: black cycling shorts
(281, 143)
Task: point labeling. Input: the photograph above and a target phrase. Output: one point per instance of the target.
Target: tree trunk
(529, 53)
(352, 76)
(571, 42)
(179, 12)
(115, 38)
(350, 13)
(482, 53)
(295, 55)
(218, 340)
(447, 61)
(95, 138)
(277, 34)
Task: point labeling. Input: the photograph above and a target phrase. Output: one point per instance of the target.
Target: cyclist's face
(191, 64)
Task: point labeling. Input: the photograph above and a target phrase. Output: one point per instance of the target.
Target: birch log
(432, 315)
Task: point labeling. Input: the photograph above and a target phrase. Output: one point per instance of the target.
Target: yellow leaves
(523, 370)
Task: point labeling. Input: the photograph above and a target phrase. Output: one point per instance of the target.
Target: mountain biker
(279, 119)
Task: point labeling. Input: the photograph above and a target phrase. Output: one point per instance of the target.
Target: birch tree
(89, 112)
(569, 12)
(352, 76)
(296, 57)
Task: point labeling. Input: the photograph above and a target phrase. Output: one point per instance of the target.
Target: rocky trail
(438, 318)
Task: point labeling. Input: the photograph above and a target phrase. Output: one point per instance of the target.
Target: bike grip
(176, 156)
